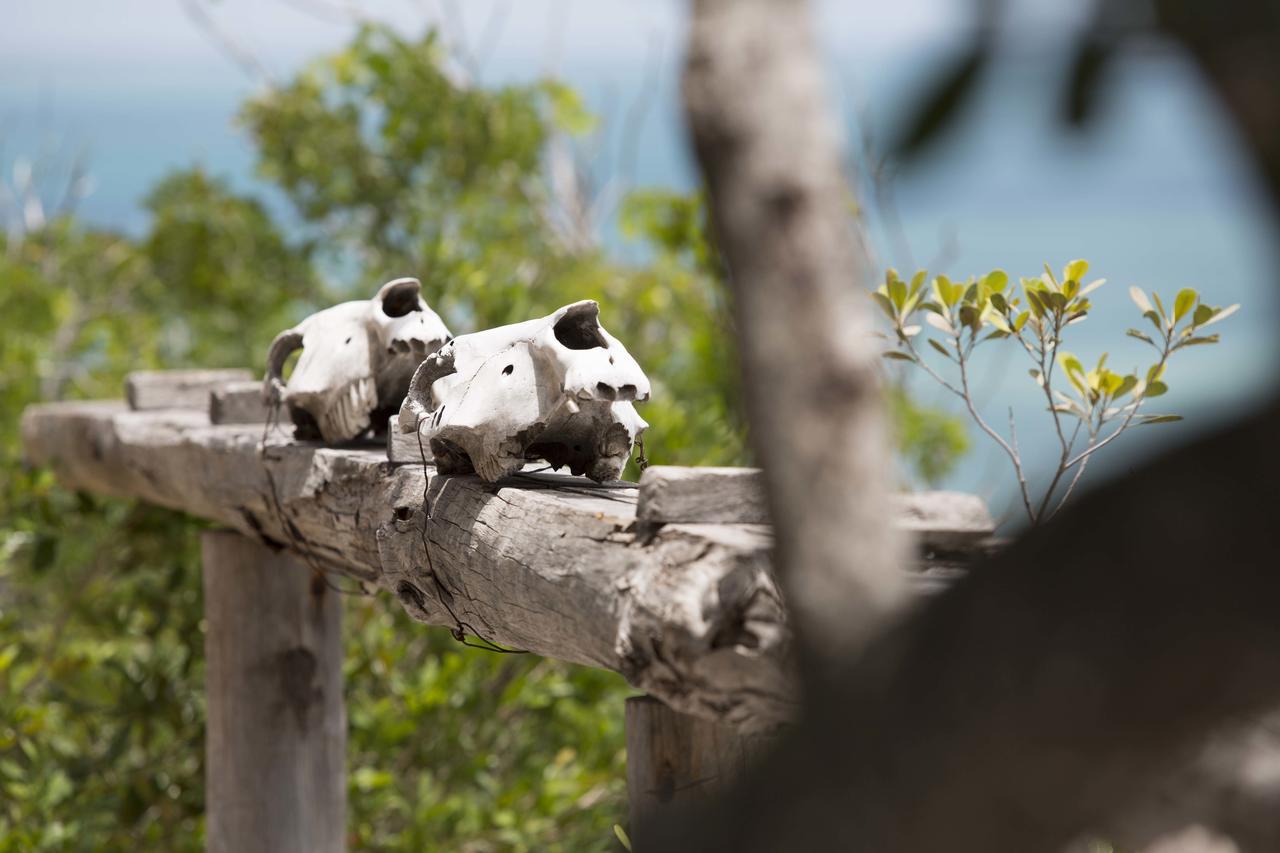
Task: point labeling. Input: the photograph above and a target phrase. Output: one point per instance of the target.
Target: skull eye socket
(579, 330)
(401, 299)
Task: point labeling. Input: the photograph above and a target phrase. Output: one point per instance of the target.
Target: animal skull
(356, 363)
(559, 388)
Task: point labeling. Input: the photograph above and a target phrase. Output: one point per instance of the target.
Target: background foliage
(390, 167)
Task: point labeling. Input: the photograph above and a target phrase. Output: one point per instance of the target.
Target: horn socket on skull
(579, 328)
(401, 299)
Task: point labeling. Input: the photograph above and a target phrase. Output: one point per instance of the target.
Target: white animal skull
(559, 388)
(356, 363)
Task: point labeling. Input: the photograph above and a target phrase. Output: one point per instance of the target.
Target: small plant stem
(1089, 451)
(967, 397)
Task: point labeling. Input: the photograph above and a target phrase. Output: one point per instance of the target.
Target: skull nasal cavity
(400, 300)
(579, 331)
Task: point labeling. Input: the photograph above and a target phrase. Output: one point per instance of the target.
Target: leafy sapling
(1089, 408)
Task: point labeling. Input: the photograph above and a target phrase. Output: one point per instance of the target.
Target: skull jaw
(591, 439)
(334, 415)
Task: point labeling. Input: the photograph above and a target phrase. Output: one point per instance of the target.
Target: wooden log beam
(238, 403)
(147, 390)
(556, 565)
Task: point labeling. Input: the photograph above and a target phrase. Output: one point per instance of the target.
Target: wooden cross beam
(679, 597)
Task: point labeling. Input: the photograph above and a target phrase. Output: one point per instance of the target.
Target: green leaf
(897, 292)
(944, 290)
(1155, 389)
(1222, 314)
(1134, 333)
(996, 281)
(996, 319)
(622, 836)
(918, 280)
(1183, 302)
(1038, 307)
(999, 303)
(1159, 305)
(1158, 419)
(1070, 363)
(1203, 314)
(1037, 376)
(940, 348)
(1075, 271)
(1127, 384)
(568, 111)
(1199, 341)
(885, 304)
(969, 317)
(898, 356)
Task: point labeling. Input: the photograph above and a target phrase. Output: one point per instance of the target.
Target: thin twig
(234, 51)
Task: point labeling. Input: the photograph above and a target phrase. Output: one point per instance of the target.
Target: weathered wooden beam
(670, 493)
(674, 760)
(552, 564)
(277, 730)
(238, 403)
(940, 520)
(405, 446)
(147, 390)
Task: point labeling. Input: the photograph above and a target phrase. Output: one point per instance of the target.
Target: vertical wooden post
(277, 728)
(674, 759)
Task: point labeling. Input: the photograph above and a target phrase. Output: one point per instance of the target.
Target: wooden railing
(667, 581)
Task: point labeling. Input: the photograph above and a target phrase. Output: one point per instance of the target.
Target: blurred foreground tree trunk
(1056, 689)
(769, 149)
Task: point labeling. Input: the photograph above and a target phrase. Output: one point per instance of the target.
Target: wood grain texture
(554, 564)
(276, 727)
(938, 520)
(148, 390)
(405, 446)
(671, 493)
(675, 760)
(237, 403)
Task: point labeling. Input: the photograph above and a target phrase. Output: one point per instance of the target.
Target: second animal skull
(559, 388)
(356, 363)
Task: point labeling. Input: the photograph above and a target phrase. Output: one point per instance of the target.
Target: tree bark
(277, 726)
(768, 147)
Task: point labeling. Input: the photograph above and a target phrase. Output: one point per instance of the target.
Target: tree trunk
(769, 149)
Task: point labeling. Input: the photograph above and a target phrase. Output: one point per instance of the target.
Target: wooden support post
(277, 726)
(674, 759)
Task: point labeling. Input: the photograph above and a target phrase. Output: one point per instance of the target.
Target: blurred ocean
(1155, 194)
